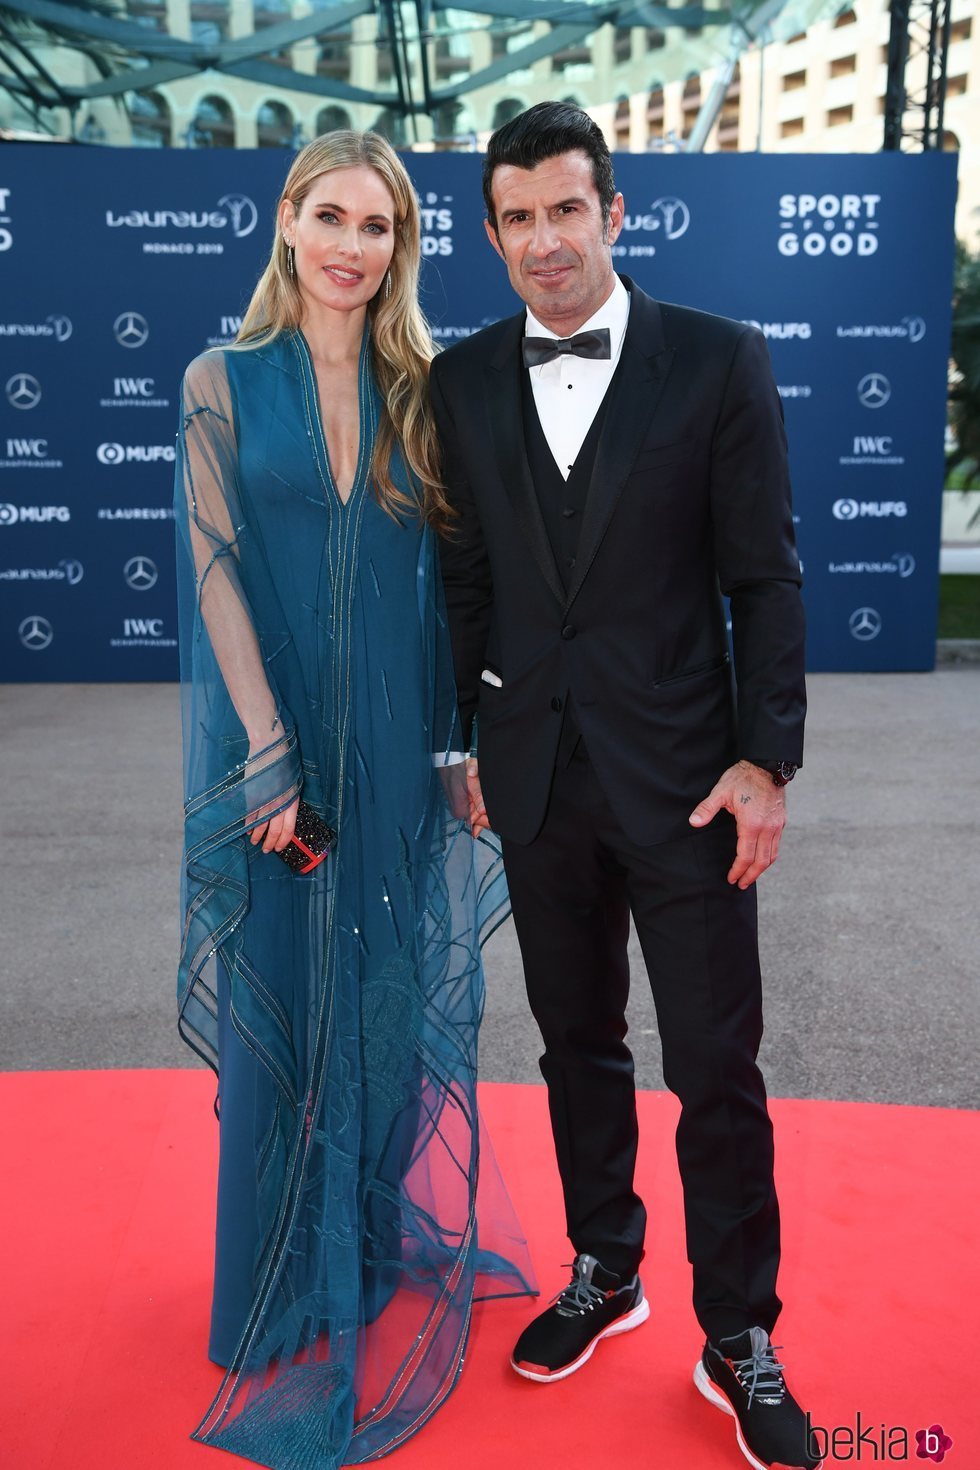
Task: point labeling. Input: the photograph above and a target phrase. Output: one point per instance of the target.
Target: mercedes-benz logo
(62, 327)
(131, 329)
(675, 215)
(865, 624)
(74, 572)
(916, 327)
(140, 573)
(23, 391)
(110, 454)
(242, 213)
(874, 390)
(35, 633)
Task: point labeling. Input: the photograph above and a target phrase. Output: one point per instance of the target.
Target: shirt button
(568, 510)
(568, 632)
(570, 561)
(556, 705)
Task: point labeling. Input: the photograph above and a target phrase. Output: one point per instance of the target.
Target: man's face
(551, 236)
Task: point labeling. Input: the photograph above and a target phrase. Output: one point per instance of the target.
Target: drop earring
(387, 284)
(290, 261)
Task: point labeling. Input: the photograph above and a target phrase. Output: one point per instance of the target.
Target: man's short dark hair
(545, 131)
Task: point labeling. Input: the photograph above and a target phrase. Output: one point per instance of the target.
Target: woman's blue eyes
(329, 218)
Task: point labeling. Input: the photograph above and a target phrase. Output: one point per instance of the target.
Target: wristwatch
(782, 772)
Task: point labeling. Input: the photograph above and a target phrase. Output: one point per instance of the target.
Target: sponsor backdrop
(844, 261)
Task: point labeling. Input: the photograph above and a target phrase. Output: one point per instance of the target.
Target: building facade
(820, 91)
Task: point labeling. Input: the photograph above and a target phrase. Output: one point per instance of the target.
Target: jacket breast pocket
(697, 671)
(661, 456)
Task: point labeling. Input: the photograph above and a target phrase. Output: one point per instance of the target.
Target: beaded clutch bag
(311, 842)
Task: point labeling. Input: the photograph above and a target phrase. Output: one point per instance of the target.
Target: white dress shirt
(568, 390)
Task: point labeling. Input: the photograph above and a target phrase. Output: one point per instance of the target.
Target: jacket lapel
(507, 424)
(634, 396)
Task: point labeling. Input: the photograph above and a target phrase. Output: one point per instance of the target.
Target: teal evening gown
(340, 1009)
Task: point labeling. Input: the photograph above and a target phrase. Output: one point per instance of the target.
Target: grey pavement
(870, 920)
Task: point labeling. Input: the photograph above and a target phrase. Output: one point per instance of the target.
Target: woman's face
(343, 236)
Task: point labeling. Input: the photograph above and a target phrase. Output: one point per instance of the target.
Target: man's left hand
(759, 808)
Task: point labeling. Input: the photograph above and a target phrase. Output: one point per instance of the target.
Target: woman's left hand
(277, 833)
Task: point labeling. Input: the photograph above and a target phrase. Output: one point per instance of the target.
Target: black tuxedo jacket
(689, 498)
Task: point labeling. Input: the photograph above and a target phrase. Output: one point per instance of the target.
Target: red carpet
(106, 1238)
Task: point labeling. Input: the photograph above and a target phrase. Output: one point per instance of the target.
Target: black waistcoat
(562, 501)
(562, 505)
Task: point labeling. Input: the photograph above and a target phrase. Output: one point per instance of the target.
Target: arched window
(390, 125)
(333, 57)
(506, 109)
(213, 125)
(655, 112)
(446, 125)
(150, 120)
(275, 125)
(209, 22)
(330, 119)
(622, 123)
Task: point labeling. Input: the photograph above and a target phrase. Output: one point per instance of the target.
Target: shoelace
(764, 1375)
(578, 1296)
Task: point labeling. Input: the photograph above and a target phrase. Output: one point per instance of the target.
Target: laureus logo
(236, 210)
(667, 214)
(242, 213)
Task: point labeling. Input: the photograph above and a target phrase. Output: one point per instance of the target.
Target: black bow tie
(584, 344)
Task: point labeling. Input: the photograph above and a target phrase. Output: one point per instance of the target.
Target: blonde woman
(340, 1006)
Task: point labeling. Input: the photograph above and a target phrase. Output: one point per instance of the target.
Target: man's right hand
(478, 812)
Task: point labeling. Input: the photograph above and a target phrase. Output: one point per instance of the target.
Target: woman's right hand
(277, 833)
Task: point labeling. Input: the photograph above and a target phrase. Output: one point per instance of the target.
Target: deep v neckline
(317, 432)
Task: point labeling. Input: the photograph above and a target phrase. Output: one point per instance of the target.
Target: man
(612, 463)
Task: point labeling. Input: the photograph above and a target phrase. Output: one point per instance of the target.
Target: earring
(387, 285)
(290, 262)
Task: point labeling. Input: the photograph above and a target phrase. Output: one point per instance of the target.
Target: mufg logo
(838, 224)
(669, 215)
(140, 453)
(852, 510)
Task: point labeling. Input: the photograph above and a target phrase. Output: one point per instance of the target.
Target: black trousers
(572, 892)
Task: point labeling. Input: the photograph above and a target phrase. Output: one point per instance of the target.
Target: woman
(341, 1007)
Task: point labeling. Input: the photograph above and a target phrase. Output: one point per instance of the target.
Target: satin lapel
(507, 423)
(635, 394)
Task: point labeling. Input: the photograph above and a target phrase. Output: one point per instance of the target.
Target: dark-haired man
(613, 463)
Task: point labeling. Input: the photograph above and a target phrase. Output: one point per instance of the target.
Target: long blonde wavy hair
(401, 343)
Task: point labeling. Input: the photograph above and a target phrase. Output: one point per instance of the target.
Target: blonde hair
(401, 344)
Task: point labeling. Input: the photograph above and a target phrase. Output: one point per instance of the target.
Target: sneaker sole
(715, 1396)
(634, 1318)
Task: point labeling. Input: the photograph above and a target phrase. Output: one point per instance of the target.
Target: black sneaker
(742, 1376)
(594, 1305)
